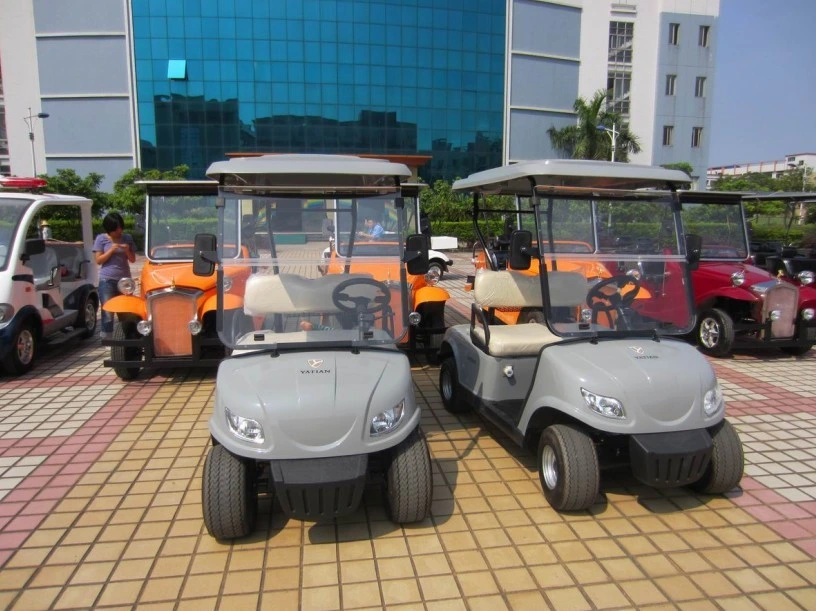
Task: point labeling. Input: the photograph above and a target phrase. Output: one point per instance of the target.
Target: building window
(177, 69)
(696, 137)
(702, 39)
(620, 42)
(674, 33)
(668, 135)
(699, 87)
(671, 80)
(618, 83)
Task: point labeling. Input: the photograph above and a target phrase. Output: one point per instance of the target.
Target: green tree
(683, 166)
(440, 203)
(586, 141)
(67, 182)
(129, 197)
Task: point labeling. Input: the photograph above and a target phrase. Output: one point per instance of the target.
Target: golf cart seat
(512, 289)
(292, 294)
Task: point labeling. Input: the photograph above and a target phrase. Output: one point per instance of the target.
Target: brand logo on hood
(315, 367)
(640, 353)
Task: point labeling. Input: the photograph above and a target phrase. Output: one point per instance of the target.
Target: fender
(231, 302)
(737, 293)
(427, 294)
(127, 304)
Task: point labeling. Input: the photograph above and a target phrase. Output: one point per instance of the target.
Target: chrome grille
(784, 298)
(170, 311)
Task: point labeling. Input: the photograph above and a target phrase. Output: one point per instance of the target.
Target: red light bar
(18, 182)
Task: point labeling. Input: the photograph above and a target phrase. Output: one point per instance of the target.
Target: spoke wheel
(715, 332)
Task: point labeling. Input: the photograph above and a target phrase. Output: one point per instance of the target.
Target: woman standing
(114, 251)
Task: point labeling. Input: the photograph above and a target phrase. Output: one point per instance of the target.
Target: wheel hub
(25, 346)
(549, 467)
(709, 332)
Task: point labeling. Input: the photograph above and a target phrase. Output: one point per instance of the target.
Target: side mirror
(416, 254)
(694, 249)
(204, 255)
(34, 246)
(521, 248)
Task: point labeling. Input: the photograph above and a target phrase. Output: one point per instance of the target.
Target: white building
(774, 167)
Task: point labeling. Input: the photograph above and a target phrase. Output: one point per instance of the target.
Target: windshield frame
(14, 224)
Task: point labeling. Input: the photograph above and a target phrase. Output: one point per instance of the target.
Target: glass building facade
(398, 77)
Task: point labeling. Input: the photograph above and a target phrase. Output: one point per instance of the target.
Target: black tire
(87, 318)
(119, 353)
(229, 495)
(727, 462)
(438, 267)
(20, 358)
(409, 483)
(568, 468)
(796, 350)
(449, 388)
(715, 332)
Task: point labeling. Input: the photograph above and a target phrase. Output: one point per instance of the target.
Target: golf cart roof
(289, 173)
(791, 196)
(520, 178)
(176, 187)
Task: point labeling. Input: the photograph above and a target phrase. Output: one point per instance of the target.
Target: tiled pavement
(100, 507)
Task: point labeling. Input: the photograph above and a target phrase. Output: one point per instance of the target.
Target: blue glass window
(177, 69)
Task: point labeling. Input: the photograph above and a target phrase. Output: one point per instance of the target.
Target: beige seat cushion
(517, 340)
(291, 293)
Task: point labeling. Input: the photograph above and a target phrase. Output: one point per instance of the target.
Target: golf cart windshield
(373, 230)
(174, 220)
(11, 211)
(290, 300)
(721, 225)
(614, 264)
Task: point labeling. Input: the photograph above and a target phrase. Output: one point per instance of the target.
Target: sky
(764, 104)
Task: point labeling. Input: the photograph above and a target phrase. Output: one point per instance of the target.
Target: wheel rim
(709, 332)
(25, 346)
(549, 467)
(90, 316)
(447, 385)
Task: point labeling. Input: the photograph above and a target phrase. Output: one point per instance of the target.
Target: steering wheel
(596, 298)
(361, 304)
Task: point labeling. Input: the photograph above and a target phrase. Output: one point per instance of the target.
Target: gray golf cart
(592, 375)
(316, 401)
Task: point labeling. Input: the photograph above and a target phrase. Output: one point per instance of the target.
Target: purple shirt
(117, 267)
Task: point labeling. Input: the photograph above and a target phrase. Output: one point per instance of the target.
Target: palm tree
(586, 141)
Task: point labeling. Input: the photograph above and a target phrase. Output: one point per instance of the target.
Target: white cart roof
(519, 178)
(291, 171)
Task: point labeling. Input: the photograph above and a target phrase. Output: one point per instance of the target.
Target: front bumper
(668, 460)
(317, 489)
(754, 334)
(207, 351)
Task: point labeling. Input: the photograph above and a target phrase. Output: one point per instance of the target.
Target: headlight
(634, 273)
(194, 326)
(244, 428)
(586, 315)
(605, 406)
(806, 277)
(432, 277)
(6, 312)
(808, 313)
(775, 314)
(738, 278)
(414, 318)
(126, 286)
(387, 421)
(227, 283)
(713, 401)
(144, 327)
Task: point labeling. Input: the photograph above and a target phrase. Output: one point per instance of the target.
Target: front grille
(666, 460)
(170, 312)
(782, 298)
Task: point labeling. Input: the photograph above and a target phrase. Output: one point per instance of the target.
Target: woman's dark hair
(112, 222)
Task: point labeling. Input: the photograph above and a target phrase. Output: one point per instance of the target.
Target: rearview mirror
(694, 249)
(416, 254)
(34, 246)
(521, 242)
(204, 255)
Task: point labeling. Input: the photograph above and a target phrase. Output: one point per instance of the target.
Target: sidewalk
(100, 485)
